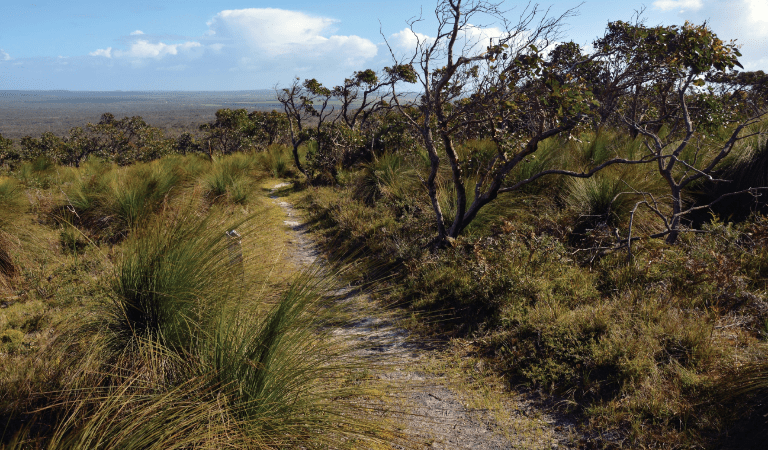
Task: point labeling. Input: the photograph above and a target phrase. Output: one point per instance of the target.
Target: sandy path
(427, 410)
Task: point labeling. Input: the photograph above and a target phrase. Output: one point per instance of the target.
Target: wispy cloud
(4, 56)
(137, 33)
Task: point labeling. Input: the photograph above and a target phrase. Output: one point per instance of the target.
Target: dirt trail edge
(429, 412)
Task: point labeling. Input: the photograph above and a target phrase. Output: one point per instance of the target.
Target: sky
(188, 45)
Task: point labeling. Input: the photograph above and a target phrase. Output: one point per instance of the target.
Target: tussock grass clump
(195, 348)
(109, 201)
(276, 160)
(230, 178)
(12, 201)
(12, 206)
(267, 380)
(284, 374)
(607, 198)
(747, 385)
(39, 173)
(174, 277)
(386, 176)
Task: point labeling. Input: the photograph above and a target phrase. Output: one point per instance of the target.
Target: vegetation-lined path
(431, 408)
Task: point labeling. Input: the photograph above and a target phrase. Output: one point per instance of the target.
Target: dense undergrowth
(132, 319)
(661, 347)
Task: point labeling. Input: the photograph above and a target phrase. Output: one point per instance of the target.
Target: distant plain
(31, 113)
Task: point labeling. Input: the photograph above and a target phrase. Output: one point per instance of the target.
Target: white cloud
(407, 40)
(271, 32)
(144, 49)
(482, 36)
(4, 56)
(682, 5)
(105, 52)
(241, 49)
(757, 16)
(137, 33)
(472, 40)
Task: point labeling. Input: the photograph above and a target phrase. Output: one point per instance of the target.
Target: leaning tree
(510, 84)
(678, 108)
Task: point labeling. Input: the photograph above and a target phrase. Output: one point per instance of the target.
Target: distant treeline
(132, 139)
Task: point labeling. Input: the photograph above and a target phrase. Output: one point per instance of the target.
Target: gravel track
(425, 408)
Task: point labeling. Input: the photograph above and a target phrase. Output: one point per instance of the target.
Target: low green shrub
(11, 340)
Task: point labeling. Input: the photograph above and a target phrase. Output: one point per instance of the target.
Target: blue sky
(243, 45)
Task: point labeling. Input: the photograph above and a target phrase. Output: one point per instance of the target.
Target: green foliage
(124, 141)
(49, 146)
(392, 134)
(8, 154)
(239, 131)
(690, 47)
(333, 146)
(402, 72)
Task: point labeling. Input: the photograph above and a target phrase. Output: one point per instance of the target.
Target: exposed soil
(431, 410)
